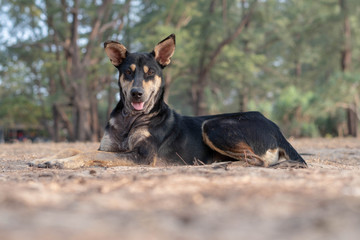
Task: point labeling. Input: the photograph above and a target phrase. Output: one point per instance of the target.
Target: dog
(144, 130)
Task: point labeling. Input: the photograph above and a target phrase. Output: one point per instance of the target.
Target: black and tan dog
(143, 130)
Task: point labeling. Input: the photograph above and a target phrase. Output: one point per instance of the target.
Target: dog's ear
(164, 50)
(115, 51)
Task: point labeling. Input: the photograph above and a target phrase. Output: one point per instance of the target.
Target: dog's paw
(46, 164)
(289, 164)
(68, 163)
(37, 163)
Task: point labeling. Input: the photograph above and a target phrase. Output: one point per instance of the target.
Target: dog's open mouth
(138, 106)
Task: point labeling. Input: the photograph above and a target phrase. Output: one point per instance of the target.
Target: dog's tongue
(138, 105)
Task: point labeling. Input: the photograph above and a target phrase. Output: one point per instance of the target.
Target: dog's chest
(136, 137)
(119, 137)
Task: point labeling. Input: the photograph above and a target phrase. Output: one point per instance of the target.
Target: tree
(278, 57)
(72, 47)
(346, 59)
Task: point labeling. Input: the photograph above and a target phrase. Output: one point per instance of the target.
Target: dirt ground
(188, 202)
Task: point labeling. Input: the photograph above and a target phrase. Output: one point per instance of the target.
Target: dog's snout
(137, 93)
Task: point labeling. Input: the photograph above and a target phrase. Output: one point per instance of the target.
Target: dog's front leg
(87, 159)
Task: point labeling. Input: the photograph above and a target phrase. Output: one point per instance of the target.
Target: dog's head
(140, 80)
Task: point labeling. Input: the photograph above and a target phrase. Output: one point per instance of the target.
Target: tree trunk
(199, 105)
(111, 100)
(352, 119)
(80, 95)
(95, 128)
(200, 102)
(298, 69)
(243, 101)
(346, 51)
(168, 80)
(352, 122)
(56, 124)
(61, 115)
(82, 119)
(244, 92)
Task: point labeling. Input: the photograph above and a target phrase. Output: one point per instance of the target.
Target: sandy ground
(189, 202)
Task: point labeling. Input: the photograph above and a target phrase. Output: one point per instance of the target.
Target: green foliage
(285, 63)
(19, 111)
(294, 109)
(329, 124)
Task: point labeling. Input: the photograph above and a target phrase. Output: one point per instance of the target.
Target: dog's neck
(123, 124)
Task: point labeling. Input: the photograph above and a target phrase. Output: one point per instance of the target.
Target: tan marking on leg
(137, 136)
(146, 69)
(158, 162)
(154, 161)
(87, 159)
(62, 154)
(244, 146)
(285, 161)
(271, 156)
(107, 159)
(133, 67)
(242, 152)
(106, 143)
(283, 155)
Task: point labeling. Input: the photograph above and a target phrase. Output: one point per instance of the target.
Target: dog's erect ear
(164, 50)
(115, 51)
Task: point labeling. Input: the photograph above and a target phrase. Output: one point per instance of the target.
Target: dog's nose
(137, 92)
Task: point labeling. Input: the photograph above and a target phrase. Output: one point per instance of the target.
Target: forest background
(296, 61)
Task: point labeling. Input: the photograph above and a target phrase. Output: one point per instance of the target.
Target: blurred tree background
(298, 62)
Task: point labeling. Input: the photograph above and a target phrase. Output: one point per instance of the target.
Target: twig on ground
(223, 165)
(181, 159)
(198, 162)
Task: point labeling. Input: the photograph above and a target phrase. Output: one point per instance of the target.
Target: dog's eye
(150, 73)
(128, 71)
